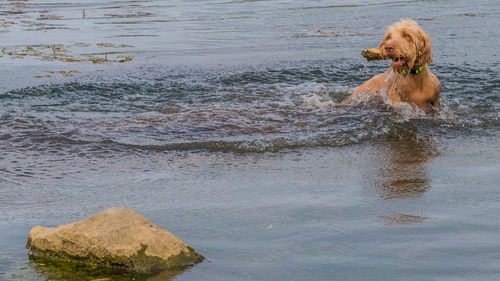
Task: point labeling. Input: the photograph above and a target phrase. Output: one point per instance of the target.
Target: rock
(116, 238)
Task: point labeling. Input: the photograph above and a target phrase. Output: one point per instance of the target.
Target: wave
(243, 111)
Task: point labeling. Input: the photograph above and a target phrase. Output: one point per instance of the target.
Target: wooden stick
(372, 54)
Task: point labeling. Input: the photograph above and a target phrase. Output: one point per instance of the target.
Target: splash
(252, 111)
(313, 95)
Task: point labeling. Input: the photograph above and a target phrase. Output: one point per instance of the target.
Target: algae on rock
(117, 239)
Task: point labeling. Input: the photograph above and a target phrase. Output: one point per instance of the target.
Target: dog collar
(414, 70)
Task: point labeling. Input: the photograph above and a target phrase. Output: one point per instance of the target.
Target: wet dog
(408, 79)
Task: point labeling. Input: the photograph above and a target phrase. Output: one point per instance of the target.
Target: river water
(221, 121)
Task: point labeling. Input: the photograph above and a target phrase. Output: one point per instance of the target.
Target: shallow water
(225, 127)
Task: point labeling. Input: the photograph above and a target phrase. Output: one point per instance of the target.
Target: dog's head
(407, 45)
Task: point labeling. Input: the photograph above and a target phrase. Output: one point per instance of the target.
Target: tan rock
(115, 238)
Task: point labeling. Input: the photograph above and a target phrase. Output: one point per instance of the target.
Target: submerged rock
(117, 238)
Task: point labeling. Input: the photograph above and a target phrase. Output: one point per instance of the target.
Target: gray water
(223, 124)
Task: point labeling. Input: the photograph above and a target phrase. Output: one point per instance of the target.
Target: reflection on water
(166, 275)
(402, 171)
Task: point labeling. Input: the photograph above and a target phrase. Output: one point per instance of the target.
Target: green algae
(70, 269)
(142, 263)
(60, 53)
(131, 15)
(111, 45)
(183, 259)
(60, 266)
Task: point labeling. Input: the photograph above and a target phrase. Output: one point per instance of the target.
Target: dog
(408, 79)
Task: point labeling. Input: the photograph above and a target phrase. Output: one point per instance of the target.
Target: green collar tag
(414, 70)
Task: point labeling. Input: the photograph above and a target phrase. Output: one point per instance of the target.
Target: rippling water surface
(221, 121)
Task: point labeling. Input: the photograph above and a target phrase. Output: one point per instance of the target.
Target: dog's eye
(388, 37)
(406, 35)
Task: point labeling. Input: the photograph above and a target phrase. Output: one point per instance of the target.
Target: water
(224, 125)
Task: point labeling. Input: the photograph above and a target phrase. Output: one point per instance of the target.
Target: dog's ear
(424, 51)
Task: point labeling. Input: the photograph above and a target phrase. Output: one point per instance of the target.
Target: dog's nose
(389, 48)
